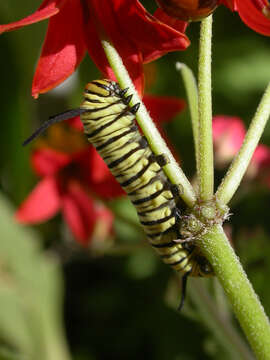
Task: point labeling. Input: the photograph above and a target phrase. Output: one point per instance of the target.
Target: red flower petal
(231, 4)
(133, 38)
(76, 123)
(99, 169)
(102, 182)
(259, 165)
(228, 135)
(109, 189)
(137, 35)
(105, 217)
(107, 15)
(79, 212)
(172, 22)
(151, 36)
(48, 161)
(47, 9)
(63, 49)
(41, 204)
(253, 17)
(163, 108)
(229, 128)
(93, 44)
(261, 156)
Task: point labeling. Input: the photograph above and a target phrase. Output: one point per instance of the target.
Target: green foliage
(30, 295)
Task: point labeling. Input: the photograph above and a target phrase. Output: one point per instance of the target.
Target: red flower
(254, 13)
(75, 26)
(228, 135)
(163, 109)
(66, 186)
(74, 177)
(260, 164)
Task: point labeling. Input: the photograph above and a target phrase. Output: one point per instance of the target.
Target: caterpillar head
(104, 87)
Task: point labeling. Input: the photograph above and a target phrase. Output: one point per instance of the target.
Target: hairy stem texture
(238, 289)
(205, 159)
(192, 96)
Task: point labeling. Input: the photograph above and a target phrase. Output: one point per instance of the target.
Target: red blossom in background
(228, 136)
(75, 26)
(74, 178)
(163, 109)
(66, 185)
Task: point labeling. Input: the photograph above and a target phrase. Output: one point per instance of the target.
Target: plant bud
(188, 10)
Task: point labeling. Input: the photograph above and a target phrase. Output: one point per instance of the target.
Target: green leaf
(30, 293)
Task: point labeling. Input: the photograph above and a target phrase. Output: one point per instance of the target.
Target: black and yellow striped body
(109, 124)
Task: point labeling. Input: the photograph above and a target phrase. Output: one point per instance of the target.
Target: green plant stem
(56, 347)
(206, 165)
(192, 96)
(239, 166)
(238, 289)
(156, 142)
(221, 300)
(221, 326)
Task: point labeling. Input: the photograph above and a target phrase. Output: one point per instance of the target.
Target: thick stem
(192, 96)
(220, 325)
(205, 165)
(174, 173)
(239, 166)
(238, 289)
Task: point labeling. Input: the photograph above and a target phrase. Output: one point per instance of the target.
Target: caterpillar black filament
(109, 124)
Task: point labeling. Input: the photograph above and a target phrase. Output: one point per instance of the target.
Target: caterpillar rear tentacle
(109, 124)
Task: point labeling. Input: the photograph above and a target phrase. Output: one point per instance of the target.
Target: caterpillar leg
(162, 159)
(176, 190)
(183, 241)
(184, 288)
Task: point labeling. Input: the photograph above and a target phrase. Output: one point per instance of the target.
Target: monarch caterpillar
(109, 124)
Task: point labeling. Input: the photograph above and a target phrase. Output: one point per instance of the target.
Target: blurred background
(113, 298)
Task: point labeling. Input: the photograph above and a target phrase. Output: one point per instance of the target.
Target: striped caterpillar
(109, 124)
